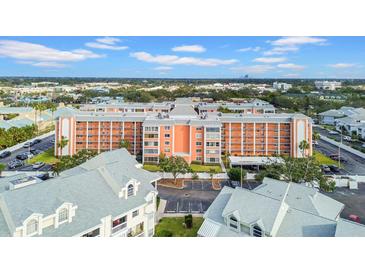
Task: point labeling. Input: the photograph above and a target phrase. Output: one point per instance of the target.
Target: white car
(347, 138)
(37, 165)
(333, 132)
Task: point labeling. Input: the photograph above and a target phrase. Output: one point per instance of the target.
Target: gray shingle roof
(87, 187)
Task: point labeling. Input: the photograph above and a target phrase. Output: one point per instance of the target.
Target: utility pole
(241, 174)
(339, 151)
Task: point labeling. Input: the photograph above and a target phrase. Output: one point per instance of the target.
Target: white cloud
(104, 46)
(291, 75)
(40, 55)
(108, 40)
(49, 65)
(255, 49)
(189, 48)
(280, 50)
(163, 68)
(298, 40)
(342, 65)
(255, 69)
(270, 59)
(291, 66)
(176, 60)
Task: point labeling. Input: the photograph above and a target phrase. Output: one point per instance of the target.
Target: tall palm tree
(62, 143)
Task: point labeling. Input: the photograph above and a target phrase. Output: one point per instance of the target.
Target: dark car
(5, 154)
(235, 184)
(14, 164)
(37, 141)
(334, 168)
(22, 156)
(325, 168)
(35, 151)
(43, 177)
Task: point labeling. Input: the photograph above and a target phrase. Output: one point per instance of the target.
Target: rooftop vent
(22, 182)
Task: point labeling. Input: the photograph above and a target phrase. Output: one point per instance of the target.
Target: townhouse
(182, 129)
(109, 195)
(276, 209)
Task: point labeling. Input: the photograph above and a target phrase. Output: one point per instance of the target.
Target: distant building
(327, 85)
(109, 195)
(281, 86)
(276, 209)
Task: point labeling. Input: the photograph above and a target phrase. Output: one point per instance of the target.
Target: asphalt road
(355, 165)
(45, 144)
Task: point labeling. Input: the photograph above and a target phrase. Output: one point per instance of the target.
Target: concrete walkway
(161, 210)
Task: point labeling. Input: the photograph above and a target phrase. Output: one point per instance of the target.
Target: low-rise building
(276, 209)
(109, 195)
(281, 86)
(327, 85)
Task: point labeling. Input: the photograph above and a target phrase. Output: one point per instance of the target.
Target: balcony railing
(119, 227)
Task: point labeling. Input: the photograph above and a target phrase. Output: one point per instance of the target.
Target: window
(63, 215)
(32, 227)
(93, 233)
(212, 129)
(198, 135)
(198, 143)
(257, 231)
(199, 128)
(167, 127)
(233, 222)
(167, 149)
(130, 190)
(167, 143)
(198, 151)
(167, 135)
(135, 213)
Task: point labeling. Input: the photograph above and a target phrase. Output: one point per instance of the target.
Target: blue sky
(184, 57)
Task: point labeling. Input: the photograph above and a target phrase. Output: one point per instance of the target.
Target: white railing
(119, 227)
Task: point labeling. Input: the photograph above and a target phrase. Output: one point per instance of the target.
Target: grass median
(174, 227)
(45, 157)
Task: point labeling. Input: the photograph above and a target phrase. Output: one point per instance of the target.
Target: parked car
(354, 218)
(5, 154)
(235, 184)
(325, 168)
(43, 177)
(332, 132)
(14, 164)
(347, 138)
(336, 157)
(37, 141)
(334, 168)
(314, 143)
(22, 156)
(38, 165)
(27, 145)
(29, 155)
(35, 151)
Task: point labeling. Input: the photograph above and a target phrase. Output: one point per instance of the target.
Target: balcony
(119, 227)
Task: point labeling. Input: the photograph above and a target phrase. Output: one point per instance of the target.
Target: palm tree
(62, 143)
(53, 108)
(304, 146)
(124, 144)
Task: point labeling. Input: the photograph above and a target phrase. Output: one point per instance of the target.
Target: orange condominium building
(181, 131)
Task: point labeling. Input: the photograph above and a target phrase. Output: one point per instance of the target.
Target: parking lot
(195, 197)
(45, 144)
(354, 200)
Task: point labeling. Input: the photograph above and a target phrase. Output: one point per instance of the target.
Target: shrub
(235, 174)
(195, 176)
(196, 162)
(165, 233)
(189, 221)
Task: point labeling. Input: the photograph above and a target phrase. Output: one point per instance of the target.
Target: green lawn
(46, 157)
(175, 225)
(323, 159)
(205, 168)
(151, 167)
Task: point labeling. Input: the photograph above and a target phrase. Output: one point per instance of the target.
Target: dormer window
(63, 215)
(130, 190)
(257, 231)
(32, 227)
(233, 222)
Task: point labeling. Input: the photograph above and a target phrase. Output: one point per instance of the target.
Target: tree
(124, 144)
(212, 171)
(234, 174)
(304, 146)
(2, 168)
(316, 136)
(62, 143)
(174, 164)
